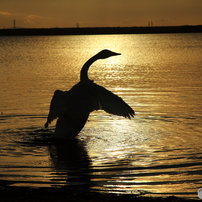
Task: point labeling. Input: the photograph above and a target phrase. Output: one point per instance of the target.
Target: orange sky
(99, 13)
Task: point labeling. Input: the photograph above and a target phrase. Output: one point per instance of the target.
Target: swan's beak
(114, 54)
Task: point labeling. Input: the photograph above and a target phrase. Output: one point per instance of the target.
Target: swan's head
(106, 54)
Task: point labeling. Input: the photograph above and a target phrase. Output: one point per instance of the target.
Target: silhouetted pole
(14, 24)
(150, 23)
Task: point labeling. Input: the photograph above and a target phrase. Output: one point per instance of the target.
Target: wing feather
(112, 103)
(57, 106)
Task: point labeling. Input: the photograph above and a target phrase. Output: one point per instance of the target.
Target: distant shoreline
(100, 30)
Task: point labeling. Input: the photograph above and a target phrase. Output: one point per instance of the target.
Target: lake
(157, 153)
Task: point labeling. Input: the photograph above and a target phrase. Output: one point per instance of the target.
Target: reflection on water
(158, 152)
(71, 164)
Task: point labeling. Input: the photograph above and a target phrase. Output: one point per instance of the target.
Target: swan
(72, 108)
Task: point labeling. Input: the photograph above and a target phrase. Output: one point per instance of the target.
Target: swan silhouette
(72, 108)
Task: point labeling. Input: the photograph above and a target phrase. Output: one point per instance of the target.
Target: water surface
(156, 153)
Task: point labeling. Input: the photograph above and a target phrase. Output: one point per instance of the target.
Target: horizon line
(98, 27)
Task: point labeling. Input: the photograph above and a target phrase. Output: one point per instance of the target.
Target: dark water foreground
(22, 194)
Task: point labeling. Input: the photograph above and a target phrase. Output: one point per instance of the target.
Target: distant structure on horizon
(150, 23)
(14, 26)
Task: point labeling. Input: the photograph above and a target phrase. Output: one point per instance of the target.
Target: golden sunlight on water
(158, 152)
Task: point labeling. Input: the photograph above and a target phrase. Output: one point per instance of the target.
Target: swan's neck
(86, 66)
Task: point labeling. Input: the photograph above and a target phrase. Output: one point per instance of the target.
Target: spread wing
(57, 106)
(111, 103)
(84, 98)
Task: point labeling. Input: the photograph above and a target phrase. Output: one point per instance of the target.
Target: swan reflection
(71, 163)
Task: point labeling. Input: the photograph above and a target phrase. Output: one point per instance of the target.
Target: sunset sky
(99, 13)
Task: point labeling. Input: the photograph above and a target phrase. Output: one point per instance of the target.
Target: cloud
(6, 13)
(31, 19)
(22, 19)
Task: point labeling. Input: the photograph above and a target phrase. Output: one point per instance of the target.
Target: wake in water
(33, 159)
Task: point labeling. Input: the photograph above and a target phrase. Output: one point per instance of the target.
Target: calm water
(157, 153)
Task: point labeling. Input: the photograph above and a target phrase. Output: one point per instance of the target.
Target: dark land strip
(100, 30)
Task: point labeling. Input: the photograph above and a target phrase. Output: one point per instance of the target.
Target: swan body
(72, 108)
